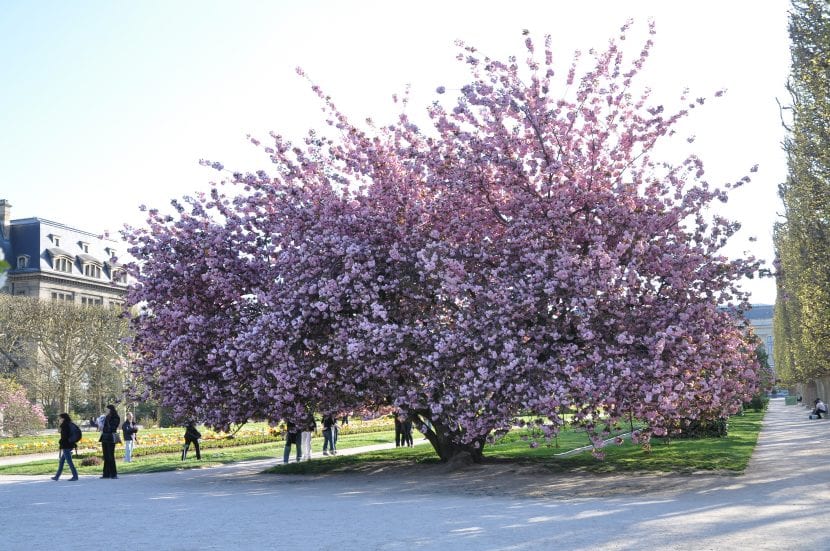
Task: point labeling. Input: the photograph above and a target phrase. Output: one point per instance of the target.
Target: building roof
(761, 311)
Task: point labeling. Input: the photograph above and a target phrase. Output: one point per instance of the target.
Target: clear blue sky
(108, 105)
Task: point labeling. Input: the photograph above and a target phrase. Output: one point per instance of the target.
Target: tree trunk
(445, 443)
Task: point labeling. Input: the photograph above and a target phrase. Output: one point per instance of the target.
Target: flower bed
(170, 440)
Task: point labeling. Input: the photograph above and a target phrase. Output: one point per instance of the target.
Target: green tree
(802, 239)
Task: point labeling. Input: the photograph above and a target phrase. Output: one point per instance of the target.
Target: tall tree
(61, 352)
(526, 253)
(802, 240)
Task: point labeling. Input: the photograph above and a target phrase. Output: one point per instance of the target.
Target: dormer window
(56, 240)
(62, 264)
(119, 276)
(84, 246)
(111, 252)
(22, 261)
(91, 270)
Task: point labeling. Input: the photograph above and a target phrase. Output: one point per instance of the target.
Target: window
(84, 246)
(119, 276)
(22, 261)
(62, 264)
(61, 295)
(56, 239)
(91, 301)
(91, 270)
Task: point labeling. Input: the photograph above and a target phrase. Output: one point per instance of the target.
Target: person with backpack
(191, 436)
(130, 439)
(70, 434)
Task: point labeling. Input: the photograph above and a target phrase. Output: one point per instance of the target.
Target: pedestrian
(108, 439)
(329, 426)
(406, 429)
(130, 437)
(398, 431)
(819, 408)
(310, 427)
(292, 437)
(66, 445)
(191, 436)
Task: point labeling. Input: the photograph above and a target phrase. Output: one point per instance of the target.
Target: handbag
(116, 438)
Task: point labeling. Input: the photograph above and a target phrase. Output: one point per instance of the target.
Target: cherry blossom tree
(526, 253)
(17, 414)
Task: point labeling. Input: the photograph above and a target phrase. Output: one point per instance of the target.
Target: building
(760, 316)
(50, 260)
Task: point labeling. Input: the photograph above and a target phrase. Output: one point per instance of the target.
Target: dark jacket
(111, 423)
(66, 434)
(129, 429)
(191, 434)
(328, 422)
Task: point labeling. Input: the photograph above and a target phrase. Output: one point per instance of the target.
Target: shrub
(757, 403)
(700, 428)
(90, 461)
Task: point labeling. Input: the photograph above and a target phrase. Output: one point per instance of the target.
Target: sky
(108, 105)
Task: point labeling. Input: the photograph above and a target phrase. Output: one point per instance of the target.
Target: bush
(757, 403)
(17, 414)
(700, 428)
(90, 461)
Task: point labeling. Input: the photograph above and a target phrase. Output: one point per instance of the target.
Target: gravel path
(780, 503)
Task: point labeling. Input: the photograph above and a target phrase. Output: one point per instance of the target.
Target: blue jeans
(66, 455)
(287, 450)
(328, 439)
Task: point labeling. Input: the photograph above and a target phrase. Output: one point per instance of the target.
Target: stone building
(760, 317)
(53, 261)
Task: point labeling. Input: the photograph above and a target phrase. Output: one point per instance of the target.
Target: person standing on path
(329, 426)
(311, 426)
(406, 429)
(66, 446)
(191, 436)
(109, 430)
(398, 430)
(129, 429)
(292, 437)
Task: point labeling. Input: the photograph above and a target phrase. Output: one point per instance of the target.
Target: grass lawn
(731, 453)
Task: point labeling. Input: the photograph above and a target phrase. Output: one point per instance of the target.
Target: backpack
(75, 434)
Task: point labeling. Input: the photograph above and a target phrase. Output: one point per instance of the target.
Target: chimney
(5, 218)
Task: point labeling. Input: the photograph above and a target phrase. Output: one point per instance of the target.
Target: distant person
(292, 437)
(329, 426)
(406, 430)
(818, 409)
(109, 431)
(191, 436)
(305, 437)
(130, 437)
(398, 431)
(66, 444)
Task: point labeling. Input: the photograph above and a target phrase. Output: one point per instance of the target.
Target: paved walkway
(780, 503)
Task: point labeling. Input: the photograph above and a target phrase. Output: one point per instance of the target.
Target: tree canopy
(525, 253)
(802, 239)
